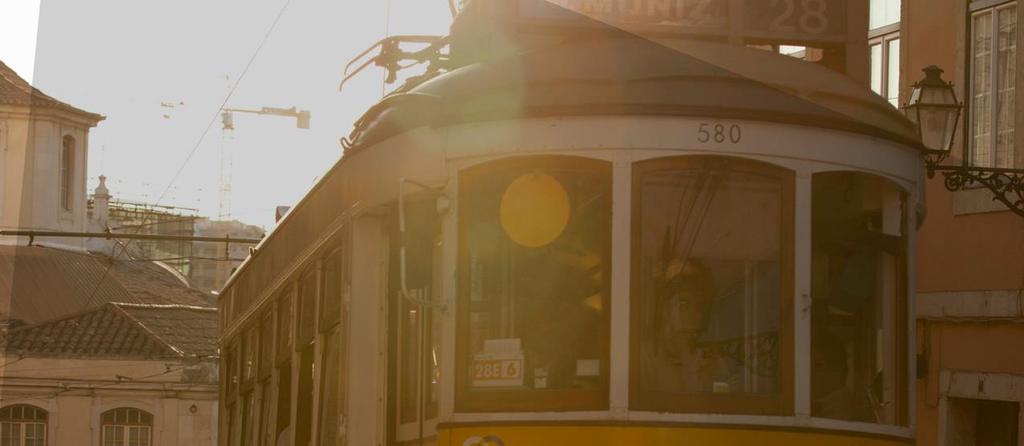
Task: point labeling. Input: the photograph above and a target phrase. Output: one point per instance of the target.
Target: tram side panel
(367, 360)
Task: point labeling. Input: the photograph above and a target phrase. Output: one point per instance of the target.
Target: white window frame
(884, 36)
(977, 8)
(22, 437)
(884, 39)
(107, 429)
(23, 423)
(884, 25)
(126, 430)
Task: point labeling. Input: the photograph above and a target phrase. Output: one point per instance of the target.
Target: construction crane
(302, 116)
(228, 126)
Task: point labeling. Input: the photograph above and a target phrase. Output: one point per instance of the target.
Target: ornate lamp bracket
(1007, 185)
(935, 111)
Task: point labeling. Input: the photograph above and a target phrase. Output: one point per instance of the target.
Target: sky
(18, 35)
(159, 72)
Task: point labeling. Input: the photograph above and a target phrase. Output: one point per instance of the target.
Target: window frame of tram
(247, 387)
(264, 375)
(414, 341)
(685, 355)
(859, 310)
(305, 346)
(550, 186)
(231, 385)
(415, 350)
(333, 373)
(284, 343)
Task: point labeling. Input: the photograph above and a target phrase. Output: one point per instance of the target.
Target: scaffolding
(137, 218)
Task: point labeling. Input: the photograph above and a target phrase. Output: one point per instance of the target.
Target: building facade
(100, 344)
(120, 374)
(970, 270)
(213, 262)
(43, 160)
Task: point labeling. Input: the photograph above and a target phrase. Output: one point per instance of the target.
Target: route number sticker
(497, 372)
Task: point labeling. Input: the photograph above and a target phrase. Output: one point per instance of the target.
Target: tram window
(307, 310)
(248, 432)
(711, 289)
(231, 373)
(284, 403)
(250, 352)
(411, 343)
(304, 398)
(858, 317)
(330, 301)
(266, 428)
(285, 314)
(234, 427)
(416, 349)
(533, 330)
(266, 344)
(332, 425)
(226, 311)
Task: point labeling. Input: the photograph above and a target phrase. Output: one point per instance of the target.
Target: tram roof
(633, 75)
(594, 76)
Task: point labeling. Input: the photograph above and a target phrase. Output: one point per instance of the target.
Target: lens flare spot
(534, 210)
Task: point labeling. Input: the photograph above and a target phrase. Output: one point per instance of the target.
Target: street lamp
(935, 111)
(933, 108)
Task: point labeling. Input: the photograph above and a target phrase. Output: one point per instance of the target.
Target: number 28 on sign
(497, 372)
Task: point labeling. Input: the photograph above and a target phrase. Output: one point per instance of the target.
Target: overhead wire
(387, 33)
(175, 259)
(120, 380)
(89, 301)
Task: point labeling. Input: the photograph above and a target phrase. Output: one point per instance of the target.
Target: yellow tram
(566, 233)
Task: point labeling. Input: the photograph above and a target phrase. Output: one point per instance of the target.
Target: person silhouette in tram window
(684, 304)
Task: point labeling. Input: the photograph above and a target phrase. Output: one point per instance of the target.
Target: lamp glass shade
(935, 111)
(937, 126)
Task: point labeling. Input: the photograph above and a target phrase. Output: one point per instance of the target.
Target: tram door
(414, 323)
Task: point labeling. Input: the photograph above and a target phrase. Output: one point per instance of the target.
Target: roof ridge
(18, 81)
(163, 306)
(36, 97)
(149, 332)
(74, 315)
(108, 275)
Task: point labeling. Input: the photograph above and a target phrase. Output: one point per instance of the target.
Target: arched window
(67, 172)
(127, 426)
(22, 425)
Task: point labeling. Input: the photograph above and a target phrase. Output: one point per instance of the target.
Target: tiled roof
(16, 91)
(122, 330)
(40, 284)
(190, 330)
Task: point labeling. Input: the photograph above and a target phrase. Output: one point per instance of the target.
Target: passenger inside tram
(685, 302)
(857, 275)
(710, 287)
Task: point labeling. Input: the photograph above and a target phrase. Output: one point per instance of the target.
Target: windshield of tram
(710, 286)
(537, 235)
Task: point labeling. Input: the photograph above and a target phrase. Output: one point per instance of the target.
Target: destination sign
(806, 21)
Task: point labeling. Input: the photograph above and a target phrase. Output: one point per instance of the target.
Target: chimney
(101, 198)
